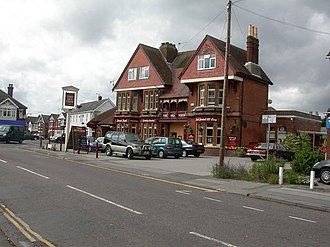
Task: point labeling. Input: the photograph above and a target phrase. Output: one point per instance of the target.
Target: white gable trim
(218, 78)
(12, 102)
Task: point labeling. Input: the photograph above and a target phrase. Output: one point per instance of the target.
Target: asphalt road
(75, 204)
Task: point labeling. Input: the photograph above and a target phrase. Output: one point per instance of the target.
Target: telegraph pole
(225, 89)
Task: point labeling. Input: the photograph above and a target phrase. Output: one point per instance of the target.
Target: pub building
(165, 92)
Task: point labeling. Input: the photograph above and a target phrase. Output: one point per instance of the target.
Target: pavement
(196, 172)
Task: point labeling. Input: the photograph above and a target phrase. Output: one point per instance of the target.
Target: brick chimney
(252, 51)
(169, 51)
(11, 90)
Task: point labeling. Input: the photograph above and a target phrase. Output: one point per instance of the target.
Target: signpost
(268, 119)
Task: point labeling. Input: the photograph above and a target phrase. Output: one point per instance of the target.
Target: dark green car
(165, 146)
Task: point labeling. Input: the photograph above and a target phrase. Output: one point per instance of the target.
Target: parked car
(101, 145)
(91, 142)
(58, 137)
(192, 148)
(165, 146)
(126, 144)
(10, 133)
(275, 149)
(29, 136)
(322, 171)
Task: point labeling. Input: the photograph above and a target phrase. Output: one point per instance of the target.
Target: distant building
(87, 111)
(11, 110)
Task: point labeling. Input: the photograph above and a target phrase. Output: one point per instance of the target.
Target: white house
(87, 111)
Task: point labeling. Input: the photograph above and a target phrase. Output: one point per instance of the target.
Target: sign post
(268, 119)
(69, 102)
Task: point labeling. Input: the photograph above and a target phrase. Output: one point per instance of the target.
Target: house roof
(92, 106)
(178, 90)
(237, 59)
(31, 119)
(4, 96)
(157, 61)
(106, 117)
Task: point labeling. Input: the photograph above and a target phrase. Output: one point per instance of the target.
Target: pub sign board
(328, 123)
(69, 97)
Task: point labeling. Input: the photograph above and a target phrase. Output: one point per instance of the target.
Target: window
(146, 100)
(201, 95)
(144, 72)
(119, 102)
(7, 112)
(132, 74)
(211, 95)
(218, 133)
(200, 133)
(128, 102)
(156, 100)
(123, 101)
(206, 61)
(151, 100)
(135, 102)
(220, 95)
(209, 133)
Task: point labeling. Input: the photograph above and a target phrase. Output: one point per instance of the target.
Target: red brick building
(166, 92)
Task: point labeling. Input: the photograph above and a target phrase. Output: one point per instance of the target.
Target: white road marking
(212, 239)
(3, 161)
(255, 209)
(296, 218)
(22, 168)
(186, 192)
(211, 199)
(105, 200)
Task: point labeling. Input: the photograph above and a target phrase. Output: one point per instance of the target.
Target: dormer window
(144, 72)
(132, 74)
(206, 61)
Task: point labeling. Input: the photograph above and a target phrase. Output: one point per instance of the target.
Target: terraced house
(171, 93)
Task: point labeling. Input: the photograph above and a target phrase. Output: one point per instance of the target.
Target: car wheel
(177, 156)
(35, 138)
(108, 151)
(325, 176)
(197, 155)
(254, 159)
(20, 140)
(148, 157)
(184, 153)
(161, 154)
(130, 154)
(8, 140)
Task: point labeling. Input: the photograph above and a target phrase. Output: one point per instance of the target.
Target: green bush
(291, 177)
(227, 172)
(264, 171)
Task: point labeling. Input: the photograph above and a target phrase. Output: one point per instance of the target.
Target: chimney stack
(169, 51)
(11, 90)
(99, 97)
(252, 51)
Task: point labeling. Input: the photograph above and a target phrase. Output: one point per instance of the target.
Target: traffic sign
(268, 119)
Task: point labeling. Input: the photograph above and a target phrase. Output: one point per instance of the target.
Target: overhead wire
(239, 26)
(186, 42)
(282, 22)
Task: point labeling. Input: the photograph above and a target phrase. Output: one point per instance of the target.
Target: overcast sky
(48, 44)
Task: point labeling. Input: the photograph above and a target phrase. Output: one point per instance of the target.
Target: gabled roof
(106, 117)
(178, 90)
(93, 105)
(31, 119)
(4, 96)
(157, 61)
(44, 118)
(237, 59)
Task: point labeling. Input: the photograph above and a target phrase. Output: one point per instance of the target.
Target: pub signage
(207, 119)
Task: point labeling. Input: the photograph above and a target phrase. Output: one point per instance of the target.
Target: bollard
(311, 180)
(96, 149)
(61, 144)
(280, 175)
(78, 148)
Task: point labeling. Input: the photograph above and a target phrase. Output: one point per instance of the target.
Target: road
(78, 204)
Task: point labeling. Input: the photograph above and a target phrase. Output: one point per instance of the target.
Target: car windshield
(132, 137)
(264, 146)
(4, 128)
(191, 142)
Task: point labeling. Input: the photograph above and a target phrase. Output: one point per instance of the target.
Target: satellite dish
(269, 101)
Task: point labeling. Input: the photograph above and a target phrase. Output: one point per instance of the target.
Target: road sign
(328, 123)
(268, 119)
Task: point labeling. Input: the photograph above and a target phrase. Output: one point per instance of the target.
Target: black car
(126, 144)
(322, 171)
(30, 136)
(192, 148)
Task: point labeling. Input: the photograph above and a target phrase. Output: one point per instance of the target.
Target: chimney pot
(252, 51)
(10, 90)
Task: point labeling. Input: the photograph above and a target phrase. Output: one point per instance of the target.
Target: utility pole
(225, 89)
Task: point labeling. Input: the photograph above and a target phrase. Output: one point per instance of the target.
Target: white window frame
(201, 95)
(144, 72)
(132, 74)
(135, 102)
(207, 61)
(211, 88)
